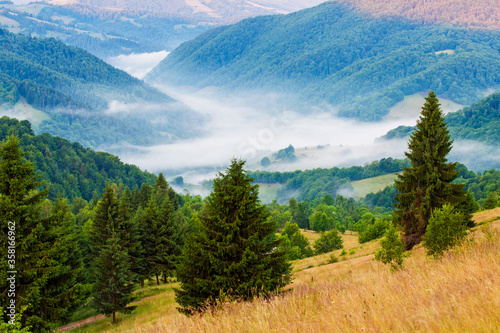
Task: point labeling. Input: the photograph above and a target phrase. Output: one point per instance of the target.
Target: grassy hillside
(372, 185)
(457, 293)
(335, 54)
(81, 94)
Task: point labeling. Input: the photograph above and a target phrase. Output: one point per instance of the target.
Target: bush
(446, 228)
(328, 241)
(392, 249)
(374, 231)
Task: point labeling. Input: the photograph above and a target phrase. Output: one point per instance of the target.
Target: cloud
(137, 65)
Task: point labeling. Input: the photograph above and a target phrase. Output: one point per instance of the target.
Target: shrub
(392, 248)
(446, 228)
(328, 241)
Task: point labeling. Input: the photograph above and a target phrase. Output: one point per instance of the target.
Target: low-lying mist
(239, 131)
(320, 139)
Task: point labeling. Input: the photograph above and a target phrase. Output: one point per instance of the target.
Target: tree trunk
(114, 317)
(157, 280)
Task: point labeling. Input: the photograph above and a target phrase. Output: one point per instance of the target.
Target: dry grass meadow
(457, 293)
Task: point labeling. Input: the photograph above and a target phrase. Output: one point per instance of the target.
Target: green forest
(97, 219)
(333, 54)
(74, 89)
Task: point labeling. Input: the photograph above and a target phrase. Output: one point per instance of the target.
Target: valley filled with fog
(236, 130)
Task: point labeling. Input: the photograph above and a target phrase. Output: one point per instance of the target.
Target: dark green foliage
(112, 288)
(334, 54)
(160, 237)
(111, 242)
(72, 170)
(446, 228)
(302, 215)
(328, 241)
(426, 185)
(491, 201)
(47, 257)
(232, 253)
(392, 248)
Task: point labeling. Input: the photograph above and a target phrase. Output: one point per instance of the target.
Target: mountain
(111, 28)
(338, 57)
(68, 92)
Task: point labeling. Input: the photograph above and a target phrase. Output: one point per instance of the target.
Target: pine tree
(112, 271)
(160, 238)
(392, 248)
(112, 287)
(231, 253)
(46, 258)
(426, 185)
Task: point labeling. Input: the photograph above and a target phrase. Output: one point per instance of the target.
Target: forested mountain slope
(70, 169)
(79, 95)
(478, 122)
(335, 54)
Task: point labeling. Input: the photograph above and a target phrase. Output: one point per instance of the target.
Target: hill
(76, 95)
(354, 294)
(478, 122)
(68, 168)
(338, 58)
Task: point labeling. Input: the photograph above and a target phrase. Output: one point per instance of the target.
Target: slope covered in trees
(336, 54)
(478, 122)
(80, 94)
(71, 169)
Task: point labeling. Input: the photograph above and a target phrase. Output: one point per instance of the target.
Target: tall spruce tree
(231, 254)
(46, 257)
(426, 185)
(112, 268)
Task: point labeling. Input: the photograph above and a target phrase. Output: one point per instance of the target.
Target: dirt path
(79, 323)
(93, 319)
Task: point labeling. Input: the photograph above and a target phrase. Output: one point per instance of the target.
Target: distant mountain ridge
(78, 96)
(334, 54)
(111, 28)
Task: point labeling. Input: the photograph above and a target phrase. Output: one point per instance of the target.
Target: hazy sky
(137, 65)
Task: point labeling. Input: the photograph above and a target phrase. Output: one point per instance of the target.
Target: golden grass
(458, 293)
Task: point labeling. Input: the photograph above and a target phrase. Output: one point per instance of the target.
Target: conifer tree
(112, 273)
(160, 240)
(231, 254)
(112, 287)
(46, 257)
(426, 185)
